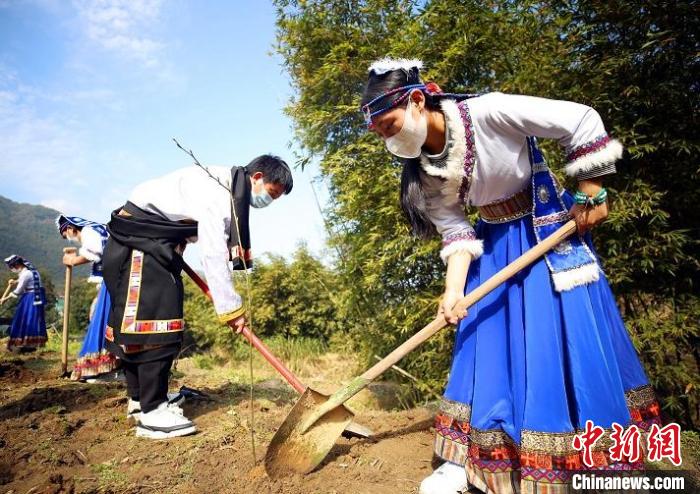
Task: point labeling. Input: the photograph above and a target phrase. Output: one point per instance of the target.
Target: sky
(93, 91)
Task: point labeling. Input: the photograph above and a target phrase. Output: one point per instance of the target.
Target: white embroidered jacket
(90, 244)
(488, 160)
(91, 248)
(25, 282)
(189, 194)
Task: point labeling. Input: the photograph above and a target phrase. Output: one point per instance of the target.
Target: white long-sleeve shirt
(91, 247)
(190, 194)
(489, 156)
(25, 282)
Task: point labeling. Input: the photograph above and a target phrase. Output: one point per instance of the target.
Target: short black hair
(275, 170)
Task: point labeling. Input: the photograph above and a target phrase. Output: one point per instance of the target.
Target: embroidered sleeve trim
(598, 153)
(470, 153)
(462, 241)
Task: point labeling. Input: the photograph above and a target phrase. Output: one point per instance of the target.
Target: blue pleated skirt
(28, 327)
(93, 358)
(530, 366)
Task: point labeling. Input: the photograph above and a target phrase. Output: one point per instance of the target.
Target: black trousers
(147, 382)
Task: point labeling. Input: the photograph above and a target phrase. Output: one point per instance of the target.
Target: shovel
(313, 425)
(350, 430)
(7, 290)
(66, 315)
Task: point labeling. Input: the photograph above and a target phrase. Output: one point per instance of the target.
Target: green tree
(635, 62)
(297, 298)
(82, 294)
(289, 298)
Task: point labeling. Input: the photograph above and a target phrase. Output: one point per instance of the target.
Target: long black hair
(413, 200)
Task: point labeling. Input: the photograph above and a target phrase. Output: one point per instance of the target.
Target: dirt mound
(59, 436)
(65, 396)
(13, 370)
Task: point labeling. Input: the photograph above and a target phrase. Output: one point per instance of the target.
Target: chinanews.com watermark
(628, 445)
(651, 481)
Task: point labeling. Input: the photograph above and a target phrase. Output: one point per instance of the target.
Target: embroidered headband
(410, 67)
(63, 222)
(406, 90)
(13, 259)
(429, 87)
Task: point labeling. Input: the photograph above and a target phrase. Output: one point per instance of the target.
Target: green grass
(56, 409)
(99, 392)
(286, 349)
(108, 477)
(207, 361)
(55, 341)
(296, 353)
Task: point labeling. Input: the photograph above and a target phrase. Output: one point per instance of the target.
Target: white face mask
(73, 240)
(408, 141)
(260, 199)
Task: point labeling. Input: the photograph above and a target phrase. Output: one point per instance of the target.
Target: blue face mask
(260, 200)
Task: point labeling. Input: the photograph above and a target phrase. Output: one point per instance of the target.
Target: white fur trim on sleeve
(473, 247)
(585, 161)
(583, 275)
(389, 64)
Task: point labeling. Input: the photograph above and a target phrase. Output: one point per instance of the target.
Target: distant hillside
(29, 231)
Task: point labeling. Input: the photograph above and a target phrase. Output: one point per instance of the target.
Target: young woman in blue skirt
(94, 362)
(28, 327)
(546, 351)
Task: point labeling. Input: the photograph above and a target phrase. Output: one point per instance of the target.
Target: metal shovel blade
(293, 452)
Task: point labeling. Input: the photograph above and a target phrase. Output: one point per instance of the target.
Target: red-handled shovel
(352, 429)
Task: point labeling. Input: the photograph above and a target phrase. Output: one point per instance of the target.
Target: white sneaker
(164, 422)
(449, 478)
(133, 409)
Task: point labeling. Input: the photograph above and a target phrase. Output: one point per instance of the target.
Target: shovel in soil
(316, 421)
(351, 429)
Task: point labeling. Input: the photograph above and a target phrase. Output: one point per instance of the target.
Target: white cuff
(226, 303)
(88, 254)
(474, 247)
(583, 275)
(594, 154)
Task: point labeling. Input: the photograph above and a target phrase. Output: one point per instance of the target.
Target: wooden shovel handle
(361, 382)
(470, 299)
(66, 311)
(9, 285)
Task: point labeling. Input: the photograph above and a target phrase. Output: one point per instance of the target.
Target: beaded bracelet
(586, 200)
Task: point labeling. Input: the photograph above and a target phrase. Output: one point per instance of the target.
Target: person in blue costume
(546, 351)
(28, 327)
(94, 362)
